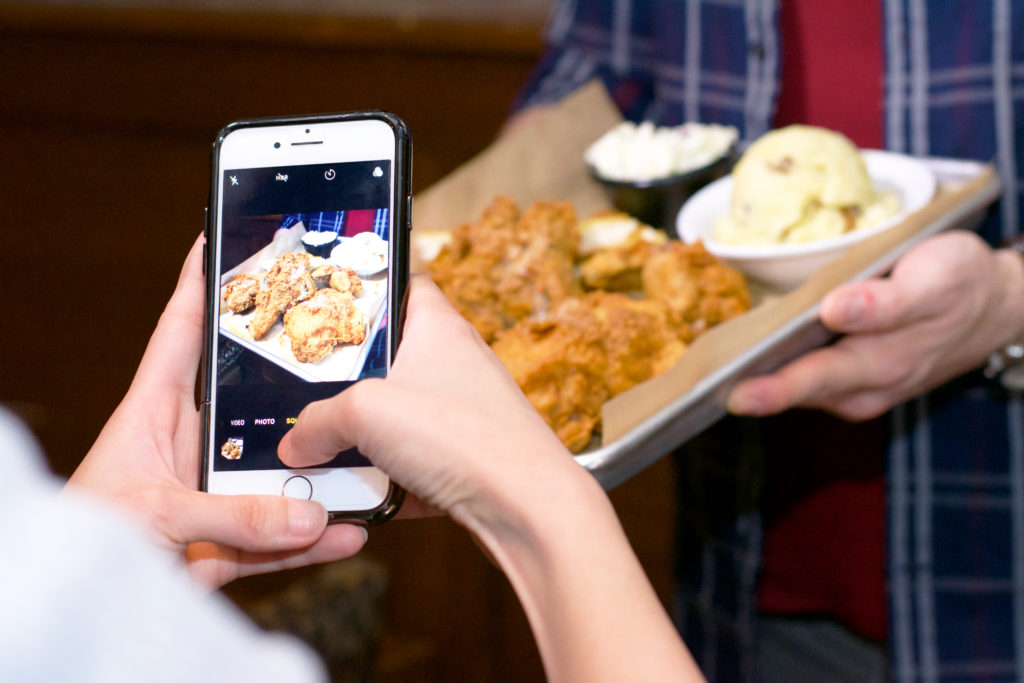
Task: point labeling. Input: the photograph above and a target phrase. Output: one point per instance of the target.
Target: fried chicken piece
(508, 264)
(618, 268)
(346, 280)
(316, 326)
(582, 353)
(287, 282)
(240, 292)
(562, 386)
(699, 290)
(322, 273)
(463, 268)
(511, 275)
(554, 222)
(537, 271)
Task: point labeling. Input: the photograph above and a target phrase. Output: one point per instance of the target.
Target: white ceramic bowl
(786, 266)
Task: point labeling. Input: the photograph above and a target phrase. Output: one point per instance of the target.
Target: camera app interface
(303, 299)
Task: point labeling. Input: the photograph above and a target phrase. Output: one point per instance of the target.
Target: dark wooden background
(106, 121)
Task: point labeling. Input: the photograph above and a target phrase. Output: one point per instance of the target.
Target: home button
(297, 487)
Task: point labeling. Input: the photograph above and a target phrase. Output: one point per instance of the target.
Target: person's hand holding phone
(146, 459)
(451, 426)
(299, 315)
(449, 423)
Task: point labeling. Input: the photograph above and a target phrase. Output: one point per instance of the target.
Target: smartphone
(307, 265)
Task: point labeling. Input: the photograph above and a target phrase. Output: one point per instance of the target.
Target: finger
(425, 293)
(809, 382)
(319, 434)
(324, 428)
(865, 405)
(173, 352)
(432, 317)
(215, 565)
(253, 523)
(337, 542)
(878, 305)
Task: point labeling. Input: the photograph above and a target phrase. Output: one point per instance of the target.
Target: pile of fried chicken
(314, 299)
(576, 317)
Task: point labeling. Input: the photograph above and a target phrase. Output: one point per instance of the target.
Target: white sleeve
(88, 598)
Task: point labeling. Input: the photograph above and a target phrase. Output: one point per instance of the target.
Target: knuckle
(156, 506)
(254, 517)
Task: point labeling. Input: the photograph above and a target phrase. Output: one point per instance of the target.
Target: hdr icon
(282, 177)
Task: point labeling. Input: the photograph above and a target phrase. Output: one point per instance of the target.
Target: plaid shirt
(334, 221)
(954, 86)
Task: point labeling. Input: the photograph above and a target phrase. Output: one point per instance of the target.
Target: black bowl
(657, 202)
(323, 249)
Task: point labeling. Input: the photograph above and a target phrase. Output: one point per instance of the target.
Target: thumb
(252, 523)
(172, 354)
(318, 434)
(867, 307)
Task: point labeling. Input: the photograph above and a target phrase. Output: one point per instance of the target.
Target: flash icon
(234, 180)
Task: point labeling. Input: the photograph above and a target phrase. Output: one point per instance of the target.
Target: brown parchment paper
(543, 160)
(540, 160)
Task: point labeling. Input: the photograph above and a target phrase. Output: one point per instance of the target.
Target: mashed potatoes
(798, 184)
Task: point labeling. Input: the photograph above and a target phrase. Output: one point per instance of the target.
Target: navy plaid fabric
(334, 221)
(380, 223)
(322, 221)
(954, 87)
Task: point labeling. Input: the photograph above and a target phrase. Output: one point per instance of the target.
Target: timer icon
(329, 174)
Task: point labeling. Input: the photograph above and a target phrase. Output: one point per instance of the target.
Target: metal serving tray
(702, 406)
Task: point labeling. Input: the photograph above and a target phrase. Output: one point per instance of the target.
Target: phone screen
(304, 226)
(304, 306)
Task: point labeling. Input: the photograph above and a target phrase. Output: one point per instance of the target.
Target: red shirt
(824, 545)
(359, 220)
(833, 67)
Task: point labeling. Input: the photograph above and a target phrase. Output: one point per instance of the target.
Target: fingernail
(306, 517)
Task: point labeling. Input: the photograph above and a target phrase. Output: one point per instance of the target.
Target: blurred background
(107, 116)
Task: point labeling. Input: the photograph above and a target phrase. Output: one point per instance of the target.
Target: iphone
(307, 265)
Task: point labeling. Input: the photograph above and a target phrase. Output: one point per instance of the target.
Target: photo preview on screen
(304, 308)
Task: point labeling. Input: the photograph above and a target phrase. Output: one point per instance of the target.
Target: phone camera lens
(277, 145)
(307, 130)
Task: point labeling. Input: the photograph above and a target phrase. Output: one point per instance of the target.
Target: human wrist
(515, 504)
(526, 515)
(1011, 264)
(1006, 362)
(571, 565)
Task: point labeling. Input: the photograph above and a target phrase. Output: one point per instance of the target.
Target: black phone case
(402, 203)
